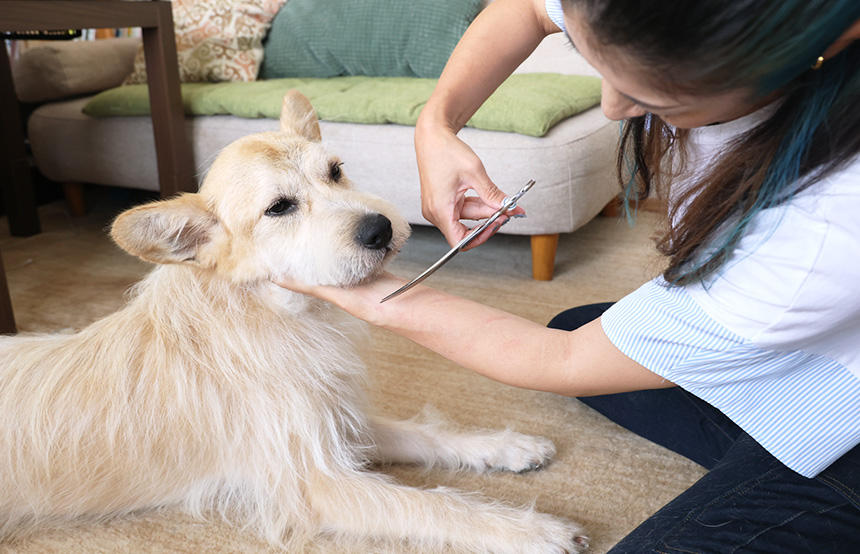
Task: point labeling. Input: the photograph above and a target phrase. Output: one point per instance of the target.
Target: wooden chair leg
(543, 256)
(74, 193)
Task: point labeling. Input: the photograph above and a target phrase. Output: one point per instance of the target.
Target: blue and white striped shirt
(553, 10)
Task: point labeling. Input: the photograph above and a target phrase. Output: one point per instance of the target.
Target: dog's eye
(335, 172)
(282, 206)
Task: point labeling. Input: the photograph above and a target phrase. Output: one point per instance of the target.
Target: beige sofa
(573, 164)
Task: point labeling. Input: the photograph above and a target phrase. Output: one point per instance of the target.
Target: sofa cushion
(528, 104)
(327, 38)
(216, 40)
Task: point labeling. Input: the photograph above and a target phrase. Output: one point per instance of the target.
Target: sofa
(573, 163)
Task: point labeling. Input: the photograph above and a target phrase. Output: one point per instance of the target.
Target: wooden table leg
(19, 194)
(7, 318)
(172, 146)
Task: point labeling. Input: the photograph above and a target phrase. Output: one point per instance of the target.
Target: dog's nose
(374, 231)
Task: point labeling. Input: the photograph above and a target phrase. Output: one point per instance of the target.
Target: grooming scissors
(509, 203)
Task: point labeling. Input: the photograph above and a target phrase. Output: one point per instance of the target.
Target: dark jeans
(748, 501)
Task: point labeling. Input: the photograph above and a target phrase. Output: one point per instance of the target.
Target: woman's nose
(616, 106)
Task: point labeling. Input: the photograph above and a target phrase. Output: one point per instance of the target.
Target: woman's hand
(448, 169)
(362, 300)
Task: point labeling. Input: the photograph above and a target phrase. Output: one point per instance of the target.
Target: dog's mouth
(374, 265)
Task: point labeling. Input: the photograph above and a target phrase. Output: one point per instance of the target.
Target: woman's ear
(168, 231)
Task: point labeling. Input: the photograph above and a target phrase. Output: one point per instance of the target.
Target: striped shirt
(553, 10)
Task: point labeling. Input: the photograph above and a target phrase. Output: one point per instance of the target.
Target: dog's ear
(168, 231)
(298, 116)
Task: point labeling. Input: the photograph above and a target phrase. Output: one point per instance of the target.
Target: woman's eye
(281, 207)
(335, 172)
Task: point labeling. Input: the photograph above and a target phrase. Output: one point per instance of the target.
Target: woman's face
(626, 93)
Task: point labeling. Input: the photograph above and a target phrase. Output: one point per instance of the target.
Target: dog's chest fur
(221, 362)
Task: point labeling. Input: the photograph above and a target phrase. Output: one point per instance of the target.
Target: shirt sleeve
(800, 406)
(555, 13)
(792, 281)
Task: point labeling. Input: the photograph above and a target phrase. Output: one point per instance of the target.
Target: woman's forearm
(494, 343)
(506, 347)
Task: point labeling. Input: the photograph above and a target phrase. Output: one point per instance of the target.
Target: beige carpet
(603, 476)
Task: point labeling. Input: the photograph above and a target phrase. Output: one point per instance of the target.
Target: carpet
(603, 476)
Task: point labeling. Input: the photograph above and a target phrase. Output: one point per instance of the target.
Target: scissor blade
(441, 261)
(427, 273)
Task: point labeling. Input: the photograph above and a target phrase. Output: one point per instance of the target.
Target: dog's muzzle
(374, 232)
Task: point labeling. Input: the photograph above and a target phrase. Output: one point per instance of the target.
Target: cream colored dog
(215, 390)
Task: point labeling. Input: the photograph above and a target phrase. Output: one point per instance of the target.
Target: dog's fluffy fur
(215, 390)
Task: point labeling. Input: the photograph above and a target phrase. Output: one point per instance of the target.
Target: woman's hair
(713, 46)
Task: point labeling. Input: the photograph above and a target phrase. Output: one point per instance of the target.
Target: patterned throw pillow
(216, 40)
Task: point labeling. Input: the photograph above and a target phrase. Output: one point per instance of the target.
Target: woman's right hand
(448, 169)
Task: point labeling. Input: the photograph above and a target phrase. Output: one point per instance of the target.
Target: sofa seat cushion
(528, 104)
(573, 164)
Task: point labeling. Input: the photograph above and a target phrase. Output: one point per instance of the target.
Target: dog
(218, 392)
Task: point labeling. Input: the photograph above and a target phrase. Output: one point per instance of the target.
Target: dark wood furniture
(173, 150)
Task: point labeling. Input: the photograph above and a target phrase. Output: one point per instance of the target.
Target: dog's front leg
(370, 505)
(432, 442)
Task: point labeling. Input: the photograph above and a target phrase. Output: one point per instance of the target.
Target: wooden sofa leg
(543, 256)
(74, 193)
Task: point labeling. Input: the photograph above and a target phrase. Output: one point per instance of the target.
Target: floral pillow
(216, 40)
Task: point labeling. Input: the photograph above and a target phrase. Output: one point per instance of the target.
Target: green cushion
(399, 38)
(528, 103)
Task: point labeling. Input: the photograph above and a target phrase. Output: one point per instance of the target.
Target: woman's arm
(499, 39)
(494, 343)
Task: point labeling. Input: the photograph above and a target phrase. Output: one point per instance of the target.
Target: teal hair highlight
(629, 194)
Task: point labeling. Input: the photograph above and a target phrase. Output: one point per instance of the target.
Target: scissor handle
(509, 203)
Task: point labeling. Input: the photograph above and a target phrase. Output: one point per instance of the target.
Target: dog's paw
(520, 453)
(560, 535)
(550, 534)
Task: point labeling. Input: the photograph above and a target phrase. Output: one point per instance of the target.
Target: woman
(745, 354)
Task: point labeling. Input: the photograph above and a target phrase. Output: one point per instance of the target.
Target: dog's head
(272, 205)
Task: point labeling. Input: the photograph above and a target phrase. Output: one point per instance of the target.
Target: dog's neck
(193, 311)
